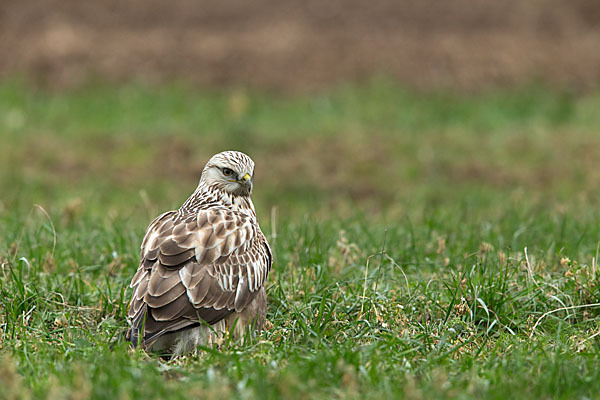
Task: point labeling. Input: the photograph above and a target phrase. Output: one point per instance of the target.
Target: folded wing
(197, 267)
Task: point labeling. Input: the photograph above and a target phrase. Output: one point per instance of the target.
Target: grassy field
(427, 245)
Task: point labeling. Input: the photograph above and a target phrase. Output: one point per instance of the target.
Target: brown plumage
(203, 268)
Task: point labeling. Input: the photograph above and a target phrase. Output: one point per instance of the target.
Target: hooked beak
(245, 178)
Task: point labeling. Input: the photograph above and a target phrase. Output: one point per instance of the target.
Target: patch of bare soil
(302, 45)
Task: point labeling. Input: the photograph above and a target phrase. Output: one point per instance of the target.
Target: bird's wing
(197, 267)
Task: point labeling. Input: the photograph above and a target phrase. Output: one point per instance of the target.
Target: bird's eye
(227, 172)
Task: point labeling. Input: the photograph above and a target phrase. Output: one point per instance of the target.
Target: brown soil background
(302, 45)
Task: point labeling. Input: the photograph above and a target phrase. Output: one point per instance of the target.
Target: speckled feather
(202, 263)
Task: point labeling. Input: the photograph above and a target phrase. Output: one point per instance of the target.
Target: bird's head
(231, 171)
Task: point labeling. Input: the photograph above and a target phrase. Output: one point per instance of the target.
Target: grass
(427, 245)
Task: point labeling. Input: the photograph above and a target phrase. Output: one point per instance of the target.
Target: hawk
(203, 267)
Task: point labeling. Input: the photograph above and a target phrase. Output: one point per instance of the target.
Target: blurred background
(299, 45)
(341, 103)
(453, 143)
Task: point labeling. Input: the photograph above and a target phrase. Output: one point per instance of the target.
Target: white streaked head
(231, 171)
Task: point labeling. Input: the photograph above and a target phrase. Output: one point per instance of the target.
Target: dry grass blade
(557, 310)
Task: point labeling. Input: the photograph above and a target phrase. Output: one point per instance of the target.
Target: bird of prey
(203, 268)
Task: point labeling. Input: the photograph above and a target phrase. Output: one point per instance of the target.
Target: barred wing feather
(201, 266)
